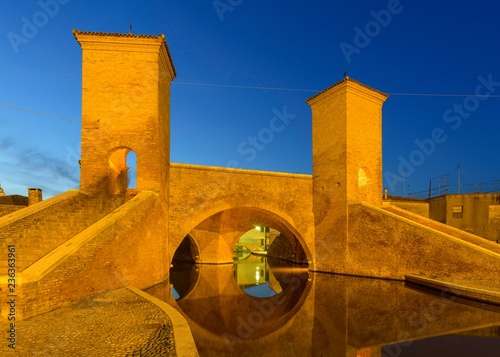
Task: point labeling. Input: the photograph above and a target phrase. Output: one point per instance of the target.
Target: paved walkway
(117, 323)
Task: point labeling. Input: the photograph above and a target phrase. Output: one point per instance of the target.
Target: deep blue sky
(426, 47)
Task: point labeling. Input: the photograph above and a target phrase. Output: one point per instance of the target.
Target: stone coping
(25, 212)
(183, 338)
(459, 287)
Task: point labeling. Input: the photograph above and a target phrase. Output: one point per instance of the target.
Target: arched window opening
(132, 169)
(120, 173)
(363, 183)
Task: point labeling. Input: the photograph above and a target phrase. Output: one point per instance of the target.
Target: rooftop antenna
(130, 28)
(345, 74)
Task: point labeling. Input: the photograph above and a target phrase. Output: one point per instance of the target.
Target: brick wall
(127, 247)
(385, 245)
(8, 209)
(36, 235)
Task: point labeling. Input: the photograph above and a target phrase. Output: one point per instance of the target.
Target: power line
(319, 90)
(244, 87)
(266, 88)
(38, 113)
(445, 95)
(224, 86)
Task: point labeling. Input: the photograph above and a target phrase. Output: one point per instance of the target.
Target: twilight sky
(444, 56)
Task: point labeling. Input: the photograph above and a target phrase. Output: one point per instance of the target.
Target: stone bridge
(216, 206)
(125, 99)
(106, 235)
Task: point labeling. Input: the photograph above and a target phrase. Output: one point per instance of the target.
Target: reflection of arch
(118, 170)
(227, 225)
(364, 182)
(184, 278)
(216, 302)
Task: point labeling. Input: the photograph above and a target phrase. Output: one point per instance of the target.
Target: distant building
(13, 203)
(476, 213)
(414, 205)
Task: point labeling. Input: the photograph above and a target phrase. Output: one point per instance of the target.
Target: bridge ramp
(39, 229)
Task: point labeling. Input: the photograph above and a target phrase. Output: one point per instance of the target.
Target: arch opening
(217, 236)
(132, 169)
(122, 170)
(255, 240)
(187, 252)
(259, 254)
(259, 239)
(364, 181)
(213, 294)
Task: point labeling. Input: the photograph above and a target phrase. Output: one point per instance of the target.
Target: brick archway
(217, 234)
(118, 172)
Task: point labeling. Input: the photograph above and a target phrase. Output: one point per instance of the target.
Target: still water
(263, 307)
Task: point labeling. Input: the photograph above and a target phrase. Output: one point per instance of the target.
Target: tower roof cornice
(347, 80)
(79, 35)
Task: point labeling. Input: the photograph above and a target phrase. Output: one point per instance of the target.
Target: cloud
(25, 165)
(6, 143)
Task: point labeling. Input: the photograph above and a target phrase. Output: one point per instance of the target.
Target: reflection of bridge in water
(328, 315)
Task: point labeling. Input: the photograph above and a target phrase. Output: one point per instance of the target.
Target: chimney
(34, 196)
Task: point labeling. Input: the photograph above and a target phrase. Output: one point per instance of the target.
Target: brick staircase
(454, 232)
(41, 232)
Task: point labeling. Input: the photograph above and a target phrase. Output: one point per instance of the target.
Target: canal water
(265, 307)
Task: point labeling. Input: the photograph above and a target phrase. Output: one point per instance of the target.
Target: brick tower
(347, 162)
(125, 107)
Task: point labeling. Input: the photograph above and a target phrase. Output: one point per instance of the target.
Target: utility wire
(267, 88)
(38, 113)
(225, 86)
(319, 90)
(244, 87)
(446, 95)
